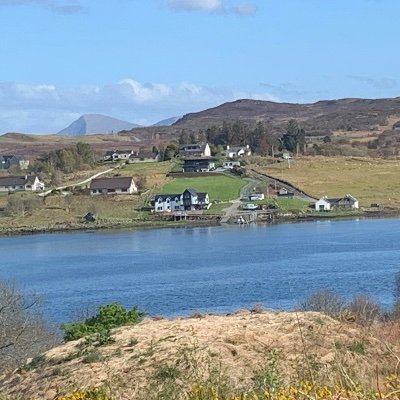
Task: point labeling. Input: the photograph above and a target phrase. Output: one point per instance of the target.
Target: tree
(23, 332)
(294, 138)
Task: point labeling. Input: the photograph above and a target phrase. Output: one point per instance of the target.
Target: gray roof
(117, 182)
(166, 196)
(17, 180)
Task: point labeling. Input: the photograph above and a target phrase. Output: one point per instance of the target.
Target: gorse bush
(108, 317)
(87, 394)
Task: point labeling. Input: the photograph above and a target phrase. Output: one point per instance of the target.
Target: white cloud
(212, 6)
(49, 108)
(195, 5)
(57, 6)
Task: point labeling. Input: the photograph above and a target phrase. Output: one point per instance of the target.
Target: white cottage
(237, 152)
(20, 183)
(347, 202)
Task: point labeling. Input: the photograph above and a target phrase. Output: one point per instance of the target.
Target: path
(87, 180)
(234, 207)
(285, 185)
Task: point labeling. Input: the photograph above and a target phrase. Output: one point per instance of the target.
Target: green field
(287, 205)
(218, 187)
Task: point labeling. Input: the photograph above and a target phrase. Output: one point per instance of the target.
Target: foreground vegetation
(328, 349)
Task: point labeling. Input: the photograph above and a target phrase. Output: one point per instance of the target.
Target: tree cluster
(67, 160)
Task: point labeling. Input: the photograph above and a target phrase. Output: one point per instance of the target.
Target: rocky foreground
(238, 351)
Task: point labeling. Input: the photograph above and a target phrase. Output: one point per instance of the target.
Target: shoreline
(89, 227)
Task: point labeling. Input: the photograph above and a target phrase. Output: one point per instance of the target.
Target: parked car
(249, 207)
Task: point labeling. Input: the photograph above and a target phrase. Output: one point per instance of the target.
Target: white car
(249, 206)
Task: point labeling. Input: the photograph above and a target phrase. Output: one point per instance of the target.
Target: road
(283, 184)
(87, 180)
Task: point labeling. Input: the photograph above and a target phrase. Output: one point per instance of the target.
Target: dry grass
(307, 346)
(370, 180)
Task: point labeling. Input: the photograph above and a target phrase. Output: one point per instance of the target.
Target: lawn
(370, 180)
(288, 205)
(219, 187)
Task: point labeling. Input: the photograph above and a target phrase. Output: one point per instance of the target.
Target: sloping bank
(219, 357)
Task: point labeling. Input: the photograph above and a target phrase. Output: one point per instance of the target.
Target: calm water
(178, 271)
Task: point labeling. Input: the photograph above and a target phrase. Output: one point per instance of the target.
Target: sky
(146, 60)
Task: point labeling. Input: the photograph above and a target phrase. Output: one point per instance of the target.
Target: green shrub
(108, 317)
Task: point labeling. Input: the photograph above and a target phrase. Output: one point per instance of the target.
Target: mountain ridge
(91, 124)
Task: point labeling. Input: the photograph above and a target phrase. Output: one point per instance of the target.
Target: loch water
(215, 269)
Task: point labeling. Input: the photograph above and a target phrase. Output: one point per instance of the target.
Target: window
(111, 190)
(124, 190)
(159, 208)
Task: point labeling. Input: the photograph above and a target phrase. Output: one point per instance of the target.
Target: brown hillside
(233, 348)
(327, 115)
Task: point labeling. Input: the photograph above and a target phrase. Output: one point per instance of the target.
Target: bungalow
(115, 185)
(8, 161)
(237, 152)
(118, 155)
(195, 150)
(230, 164)
(20, 183)
(198, 165)
(189, 200)
(326, 204)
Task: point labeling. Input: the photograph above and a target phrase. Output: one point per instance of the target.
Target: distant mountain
(89, 124)
(167, 122)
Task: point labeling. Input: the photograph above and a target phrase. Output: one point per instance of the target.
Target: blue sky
(146, 60)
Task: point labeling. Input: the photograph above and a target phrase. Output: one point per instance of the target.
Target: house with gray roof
(189, 200)
(20, 183)
(11, 160)
(195, 150)
(347, 202)
(114, 185)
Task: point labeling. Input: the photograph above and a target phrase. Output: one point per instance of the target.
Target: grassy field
(370, 180)
(153, 173)
(287, 205)
(219, 187)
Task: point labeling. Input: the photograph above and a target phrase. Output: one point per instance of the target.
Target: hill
(89, 124)
(167, 122)
(205, 355)
(317, 118)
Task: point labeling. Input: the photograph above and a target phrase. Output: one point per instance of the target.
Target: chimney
(247, 146)
(227, 146)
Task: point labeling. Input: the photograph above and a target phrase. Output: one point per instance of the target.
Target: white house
(20, 183)
(230, 164)
(167, 202)
(323, 204)
(237, 152)
(347, 202)
(195, 150)
(115, 185)
(189, 200)
(118, 155)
